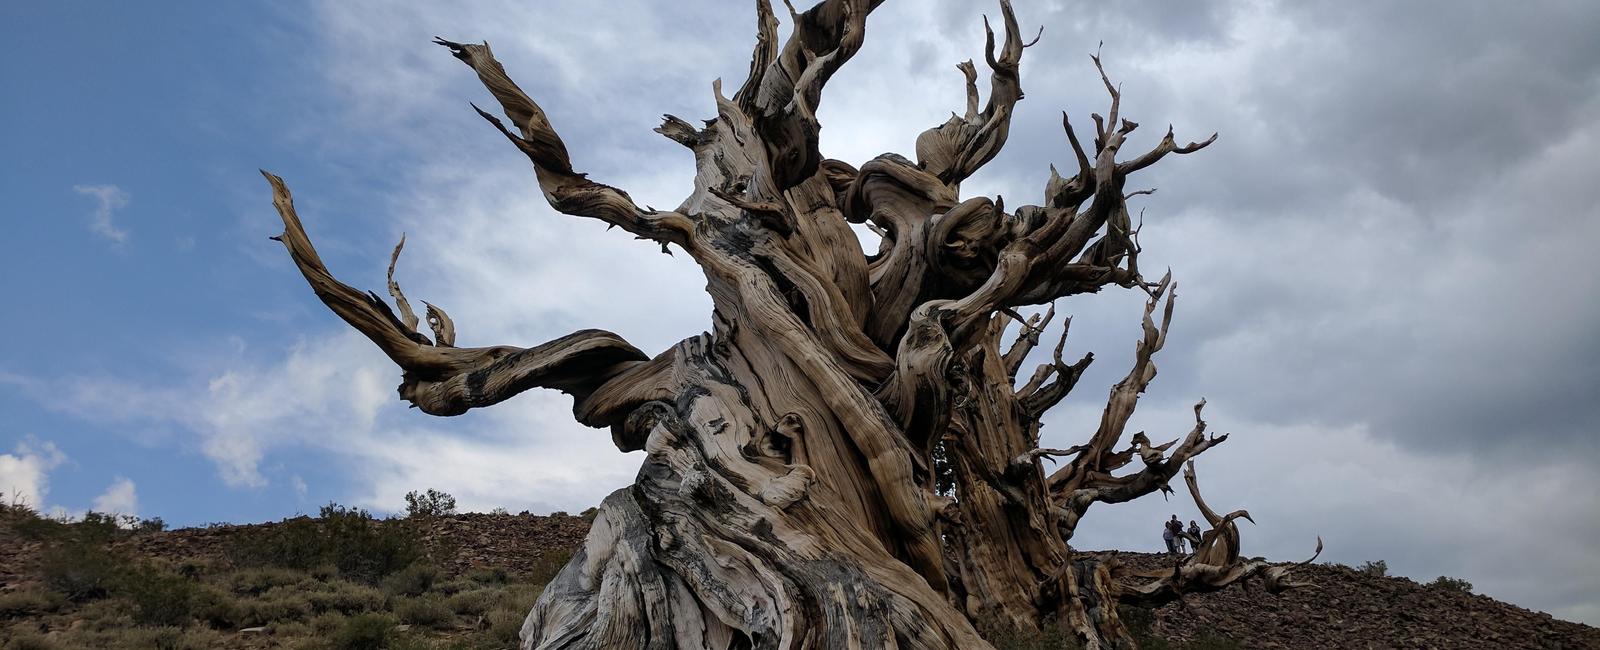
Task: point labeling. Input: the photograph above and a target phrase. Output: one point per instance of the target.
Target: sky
(1386, 290)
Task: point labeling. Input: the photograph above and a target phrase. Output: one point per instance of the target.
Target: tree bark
(846, 460)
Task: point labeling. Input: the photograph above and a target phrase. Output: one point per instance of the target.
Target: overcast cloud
(1385, 285)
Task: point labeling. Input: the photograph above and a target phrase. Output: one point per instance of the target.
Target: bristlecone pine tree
(847, 460)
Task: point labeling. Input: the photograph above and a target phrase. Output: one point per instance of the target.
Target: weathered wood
(846, 460)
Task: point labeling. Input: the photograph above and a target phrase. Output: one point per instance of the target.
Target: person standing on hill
(1170, 533)
(1194, 535)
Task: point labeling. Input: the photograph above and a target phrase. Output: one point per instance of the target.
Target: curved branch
(443, 380)
(956, 149)
(567, 190)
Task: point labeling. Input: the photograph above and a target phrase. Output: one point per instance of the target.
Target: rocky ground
(1346, 608)
(1351, 609)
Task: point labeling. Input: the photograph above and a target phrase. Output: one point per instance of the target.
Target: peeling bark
(847, 459)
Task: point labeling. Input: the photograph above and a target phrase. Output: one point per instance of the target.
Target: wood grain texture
(848, 459)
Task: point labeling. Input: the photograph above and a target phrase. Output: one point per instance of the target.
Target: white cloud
(121, 498)
(25, 473)
(108, 199)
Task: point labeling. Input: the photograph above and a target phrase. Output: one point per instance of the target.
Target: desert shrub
(151, 525)
(216, 609)
(30, 641)
(367, 549)
(590, 514)
(286, 604)
(547, 566)
(346, 598)
(413, 580)
(159, 597)
(490, 576)
(473, 602)
(29, 602)
(80, 571)
(296, 543)
(505, 619)
(349, 539)
(1451, 584)
(1050, 636)
(327, 624)
(1141, 622)
(1374, 568)
(364, 632)
(432, 503)
(427, 612)
(505, 625)
(98, 527)
(257, 581)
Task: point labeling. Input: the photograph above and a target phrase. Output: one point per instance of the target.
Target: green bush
(346, 598)
(490, 576)
(1375, 568)
(285, 604)
(414, 580)
(1050, 636)
(28, 603)
(29, 641)
(432, 503)
(364, 632)
(349, 539)
(547, 566)
(217, 609)
(80, 571)
(257, 581)
(1451, 584)
(426, 612)
(160, 597)
(474, 602)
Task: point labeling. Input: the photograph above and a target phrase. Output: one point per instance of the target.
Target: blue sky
(1384, 285)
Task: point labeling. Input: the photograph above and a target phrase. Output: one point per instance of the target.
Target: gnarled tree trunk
(846, 460)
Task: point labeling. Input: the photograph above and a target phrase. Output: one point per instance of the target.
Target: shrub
(349, 539)
(257, 581)
(346, 598)
(590, 514)
(474, 602)
(432, 503)
(217, 609)
(79, 570)
(28, 641)
(296, 543)
(1451, 584)
(160, 597)
(279, 605)
(1051, 636)
(414, 580)
(427, 612)
(364, 632)
(1375, 568)
(490, 576)
(28, 603)
(547, 566)
(151, 525)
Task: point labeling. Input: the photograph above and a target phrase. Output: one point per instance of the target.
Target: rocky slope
(1346, 609)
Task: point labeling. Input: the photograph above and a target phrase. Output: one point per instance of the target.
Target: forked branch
(443, 380)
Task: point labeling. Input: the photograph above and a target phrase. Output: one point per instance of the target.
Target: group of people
(1175, 536)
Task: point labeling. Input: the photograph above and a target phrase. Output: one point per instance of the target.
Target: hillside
(464, 581)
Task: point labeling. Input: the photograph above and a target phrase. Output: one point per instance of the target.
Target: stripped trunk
(847, 460)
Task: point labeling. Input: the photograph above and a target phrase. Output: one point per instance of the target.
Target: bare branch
(443, 380)
(566, 189)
